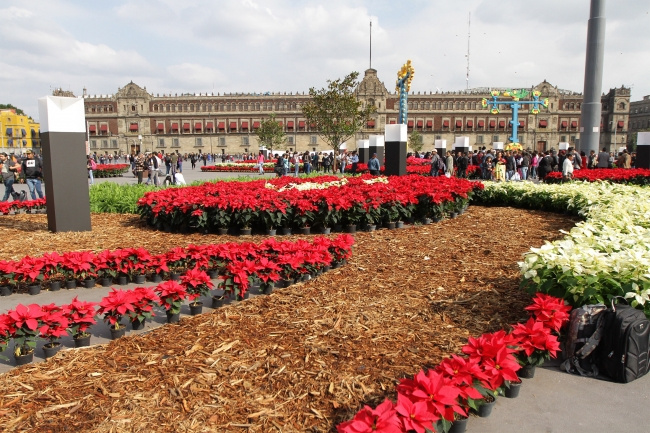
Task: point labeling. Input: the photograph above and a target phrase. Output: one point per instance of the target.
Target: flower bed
(244, 167)
(236, 262)
(435, 398)
(110, 170)
(328, 200)
(632, 176)
(604, 256)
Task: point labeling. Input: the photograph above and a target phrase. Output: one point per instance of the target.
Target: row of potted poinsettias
(270, 259)
(435, 399)
(632, 176)
(31, 206)
(293, 261)
(290, 202)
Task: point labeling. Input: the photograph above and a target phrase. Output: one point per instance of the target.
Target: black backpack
(586, 326)
(625, 345)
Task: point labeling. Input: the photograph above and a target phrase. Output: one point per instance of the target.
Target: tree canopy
(9, 106)
(416, 141)
(335, 112)
(270, 133)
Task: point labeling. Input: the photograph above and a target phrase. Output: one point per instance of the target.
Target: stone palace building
(133, 119)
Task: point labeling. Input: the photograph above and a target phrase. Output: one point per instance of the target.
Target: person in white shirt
(567, 167)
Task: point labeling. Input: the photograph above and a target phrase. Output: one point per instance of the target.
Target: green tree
(8, 106)
(416, 141)
(336, 112)
(271, 134)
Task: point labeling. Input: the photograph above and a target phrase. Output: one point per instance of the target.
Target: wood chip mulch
(300, 360)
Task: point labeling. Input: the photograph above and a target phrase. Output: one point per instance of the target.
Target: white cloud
(291, 45)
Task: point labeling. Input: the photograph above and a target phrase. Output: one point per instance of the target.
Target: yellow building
(18, 132)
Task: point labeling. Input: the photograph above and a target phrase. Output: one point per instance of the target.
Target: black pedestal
(395, 158)
(643, 157)
(66, 181)
(364, 155)
(379, 150)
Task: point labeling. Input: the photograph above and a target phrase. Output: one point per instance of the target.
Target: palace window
(175, 142)
(161, 142)
(199, 142)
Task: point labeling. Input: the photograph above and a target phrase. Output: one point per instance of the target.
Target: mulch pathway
(300, 360)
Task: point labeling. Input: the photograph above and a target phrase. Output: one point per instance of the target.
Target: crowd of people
(510, 165)
(25, 169)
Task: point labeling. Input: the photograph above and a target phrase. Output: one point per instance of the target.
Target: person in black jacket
(33, 169)
(545, 165)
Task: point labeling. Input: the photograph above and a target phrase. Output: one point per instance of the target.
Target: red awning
(393, 122)
(420, 123)
(574, 124)
(481, 123)
(161, 127)
(543, 123)
(470, 123)
(222, 125)
(459, 124)
(280, 123)
(371, 124)
(103, 127)
(312, 125)
(445, 123)
(209, 125)
(429, 123)
(521, 124)
(92, 128)
(301, 124)
(174, 126)
(186, 126)
(233, 125)
(502, 123)
(198, 126)
(133, 127)
(244, 125)
(290, 124)
(410, 124)
(256, 125)
(493, 123)
(620, 124)
(563, 124)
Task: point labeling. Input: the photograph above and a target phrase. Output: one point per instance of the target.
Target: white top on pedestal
(377, 140)
(461, 142)
(61, 114)
(643, 139)
(497, 145)
(440, 144)
(564, 146)
(396, 133)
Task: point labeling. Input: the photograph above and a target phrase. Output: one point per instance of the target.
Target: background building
(134, 119)
(639, 117)
(18, 132)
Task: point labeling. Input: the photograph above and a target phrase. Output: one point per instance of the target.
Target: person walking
(33, 169)
(140, 166)
(374, 166)
(260, 162)
(449, 169)
(9, 169)
(435, 163)
(603, 159)
(354, 160)
(567, 167)
(91, 165)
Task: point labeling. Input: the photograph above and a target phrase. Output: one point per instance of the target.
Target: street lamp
(612, 124)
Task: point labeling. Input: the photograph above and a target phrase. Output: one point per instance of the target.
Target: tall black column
(591, 104)
(441, 147)
(63, 137)
(395, 138)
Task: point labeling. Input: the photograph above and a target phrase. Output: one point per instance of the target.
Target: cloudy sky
(172, 46)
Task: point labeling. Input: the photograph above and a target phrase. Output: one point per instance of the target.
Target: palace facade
(133, 119)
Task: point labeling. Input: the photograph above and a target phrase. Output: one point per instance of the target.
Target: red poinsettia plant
(81, 316)
(136, 261)
(54, 324)
(115, 305)
(381, 419)
(29, 270)
(78, 264)
(5, 334)
(551, 311)
(171, 294)
(197, 283)
(24, 324)
(535, 341)
(145, 299)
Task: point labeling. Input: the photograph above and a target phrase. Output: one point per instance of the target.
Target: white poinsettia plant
(606, 255)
